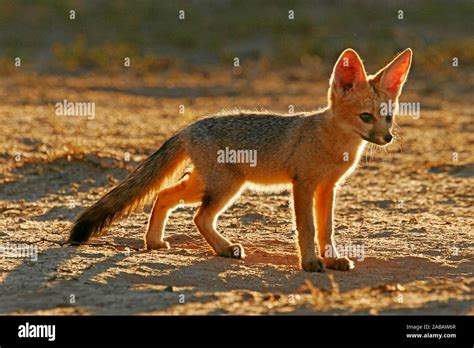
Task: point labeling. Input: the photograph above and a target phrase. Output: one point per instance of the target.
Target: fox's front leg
(324, 197)
(304, 216)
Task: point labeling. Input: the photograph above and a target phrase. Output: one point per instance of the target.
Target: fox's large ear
(348, 72)
(391, 78)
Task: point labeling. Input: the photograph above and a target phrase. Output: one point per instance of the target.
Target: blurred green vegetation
(213, 32)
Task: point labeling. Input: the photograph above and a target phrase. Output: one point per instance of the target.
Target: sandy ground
(408, 206)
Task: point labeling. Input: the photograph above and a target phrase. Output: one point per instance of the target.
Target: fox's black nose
(388, 137)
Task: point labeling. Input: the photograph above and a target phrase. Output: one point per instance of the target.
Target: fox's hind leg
(188, 190)
(214, 201)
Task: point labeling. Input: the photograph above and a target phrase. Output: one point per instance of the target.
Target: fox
(310, 152)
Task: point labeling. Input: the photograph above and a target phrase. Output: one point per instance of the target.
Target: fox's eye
(388, 118)
(367, 118)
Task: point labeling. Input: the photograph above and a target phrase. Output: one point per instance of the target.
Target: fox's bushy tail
(148, 178)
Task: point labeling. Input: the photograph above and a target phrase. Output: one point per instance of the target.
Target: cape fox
(311, 151)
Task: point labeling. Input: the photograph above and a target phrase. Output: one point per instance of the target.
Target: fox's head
(366, 104)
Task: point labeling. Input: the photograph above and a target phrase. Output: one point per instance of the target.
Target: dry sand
(409, 205)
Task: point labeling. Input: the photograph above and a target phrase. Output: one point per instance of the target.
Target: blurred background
(214, 32)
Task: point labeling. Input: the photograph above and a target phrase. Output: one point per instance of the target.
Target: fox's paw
(150, 245)
(339, 263)
(313, 265)
(234, 251)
